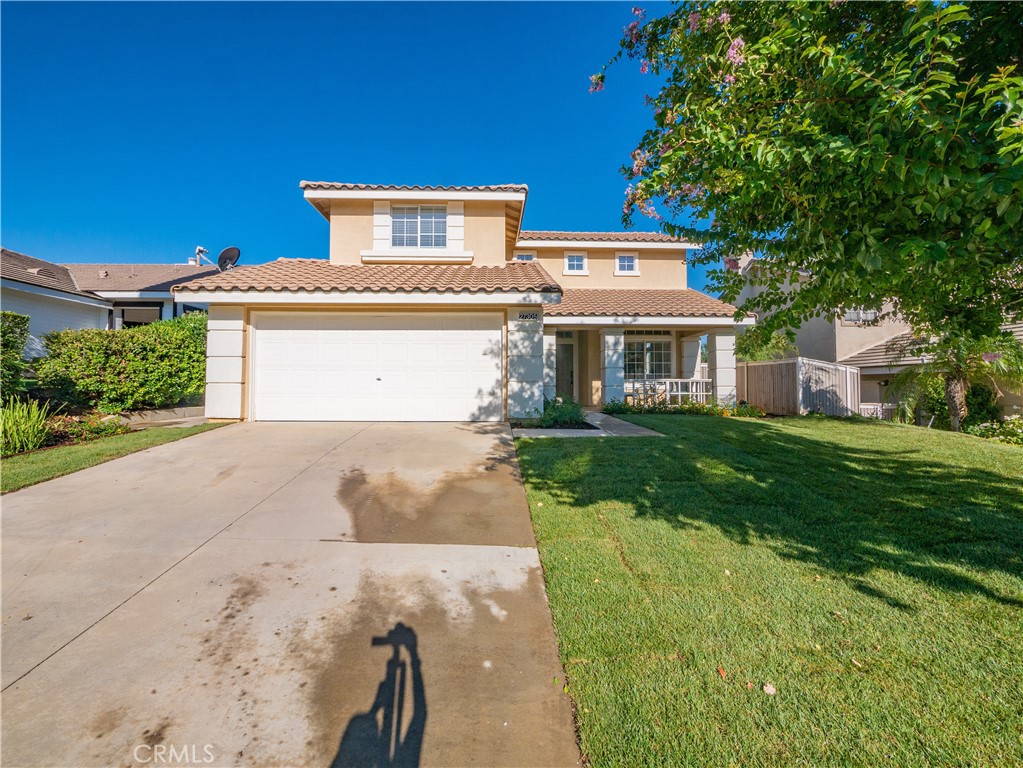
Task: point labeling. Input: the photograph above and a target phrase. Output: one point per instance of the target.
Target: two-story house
(434, 305)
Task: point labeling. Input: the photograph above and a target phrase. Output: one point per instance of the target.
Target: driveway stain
(483, 506)
(394, 674)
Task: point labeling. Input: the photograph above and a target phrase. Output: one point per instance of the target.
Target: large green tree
(870, 154)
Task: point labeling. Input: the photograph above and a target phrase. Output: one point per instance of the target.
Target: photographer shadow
(379, 737)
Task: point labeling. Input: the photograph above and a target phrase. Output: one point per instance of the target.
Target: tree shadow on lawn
(851, 508)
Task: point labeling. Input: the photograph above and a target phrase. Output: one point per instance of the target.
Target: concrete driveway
(283, 594)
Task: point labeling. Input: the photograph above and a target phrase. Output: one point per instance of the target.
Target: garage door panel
(337, 366)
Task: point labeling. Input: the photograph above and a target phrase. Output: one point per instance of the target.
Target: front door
(565, 381)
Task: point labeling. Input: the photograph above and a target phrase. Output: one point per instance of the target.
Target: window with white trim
(626, 264)
(575, 263)
(648, 359)
(860, 316)
(419, 226)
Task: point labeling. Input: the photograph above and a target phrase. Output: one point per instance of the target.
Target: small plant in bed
(559, 413)
(23, 426)
(68, 429)
(684, 408)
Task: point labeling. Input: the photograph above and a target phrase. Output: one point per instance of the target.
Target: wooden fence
(798, 386)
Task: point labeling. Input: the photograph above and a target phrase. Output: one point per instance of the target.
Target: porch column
(721, 365)
(225, 358)
(550, 363)
(525, 362)
(690, 364)
(612, 364)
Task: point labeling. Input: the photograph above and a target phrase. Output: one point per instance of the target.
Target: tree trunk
(955, 398)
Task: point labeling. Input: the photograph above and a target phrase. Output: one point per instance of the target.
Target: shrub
(1009, 431)
(22, 426)
(79, 429)
(561, 412)
(980, 403)
(13, 335)
(685, 408)
(150, 366)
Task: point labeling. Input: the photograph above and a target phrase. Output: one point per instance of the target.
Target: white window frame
(433, 209)
(634, 272)
(524, 256)
(859, 316)
(645, 339)
(586, 264)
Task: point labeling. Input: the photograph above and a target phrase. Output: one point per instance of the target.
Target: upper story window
(419, 226)
(525, 256)
(626, 264)
(575, 264)
(860, 316)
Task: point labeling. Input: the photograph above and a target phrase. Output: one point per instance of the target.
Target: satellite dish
(228, 258)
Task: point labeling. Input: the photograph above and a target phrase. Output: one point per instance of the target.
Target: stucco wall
(657, 269)
(50, 314)
(351, 229)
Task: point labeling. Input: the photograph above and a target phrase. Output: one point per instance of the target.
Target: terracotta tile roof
(411, 188)
(321, 275)
(600, 237)
(135, 277)
(638, 302)
(44, 274)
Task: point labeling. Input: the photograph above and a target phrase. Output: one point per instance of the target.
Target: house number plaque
(529, 316)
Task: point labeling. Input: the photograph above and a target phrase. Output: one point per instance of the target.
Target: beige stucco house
(435, 305)
(875, 343)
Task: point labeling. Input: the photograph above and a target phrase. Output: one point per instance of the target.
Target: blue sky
(134, 132)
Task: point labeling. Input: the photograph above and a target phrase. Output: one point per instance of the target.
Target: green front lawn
(871, 574)
(31, 468)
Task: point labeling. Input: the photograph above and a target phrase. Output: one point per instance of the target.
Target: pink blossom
(648, 210)
(734, 54)
(596, 83)
(694, 21)
(632, 32)
(990, 357)
(725, 17)
(732, 264)
(638, 12)
(729, 78)
(644, 67)
(639, 161)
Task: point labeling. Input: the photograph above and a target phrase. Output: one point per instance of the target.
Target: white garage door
(363, 367)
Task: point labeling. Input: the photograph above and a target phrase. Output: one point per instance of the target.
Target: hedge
(13, 336)
(150, 366)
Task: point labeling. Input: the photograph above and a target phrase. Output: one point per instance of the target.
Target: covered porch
(652, 363)
(645, 345)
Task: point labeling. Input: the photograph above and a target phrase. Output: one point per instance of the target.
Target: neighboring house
(49, 295)
(880, 362)
(139, 293)
(857, 338)
(435, 306)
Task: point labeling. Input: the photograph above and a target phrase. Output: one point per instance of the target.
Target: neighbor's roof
(638, 302)
(341, 185)
(889, 352)
(43, 274)
(893, 352)
(135, 277)
(321, 275)
(600, 237)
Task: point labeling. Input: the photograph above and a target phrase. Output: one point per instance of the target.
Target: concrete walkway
(280, 594)
(606, 426)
